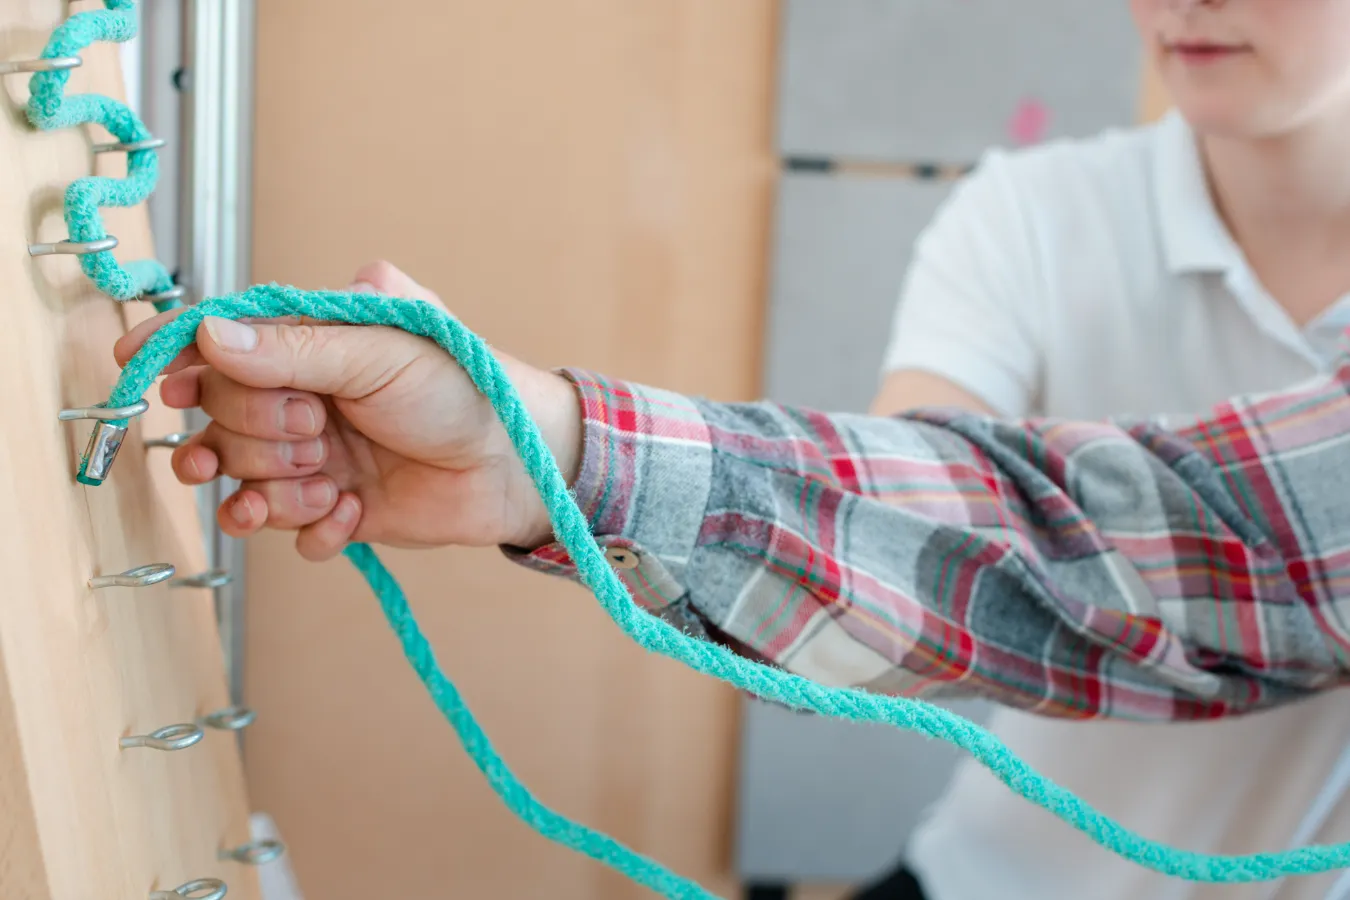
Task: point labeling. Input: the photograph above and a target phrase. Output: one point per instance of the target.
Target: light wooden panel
(583, 181)
(80, 669)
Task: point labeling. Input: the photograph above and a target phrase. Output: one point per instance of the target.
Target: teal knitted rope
(573, 531)
(49, 108)
(516, 796)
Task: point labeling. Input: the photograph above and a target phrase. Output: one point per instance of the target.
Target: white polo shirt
(1088, 279)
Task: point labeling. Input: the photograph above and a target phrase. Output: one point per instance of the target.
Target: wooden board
(80, 669)
(585, 182)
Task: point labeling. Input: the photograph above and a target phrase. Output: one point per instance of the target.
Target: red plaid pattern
(1134, 569)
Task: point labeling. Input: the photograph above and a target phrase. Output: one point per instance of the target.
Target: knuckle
(276, 497)
(251, 412)
(179, 462)
(298, 340)
(382, 274)
(221, 442)
(209, 437)
(209, 383)
(302, 345)
(251, 458)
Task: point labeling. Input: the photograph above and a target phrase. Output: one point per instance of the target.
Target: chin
(1226, 116)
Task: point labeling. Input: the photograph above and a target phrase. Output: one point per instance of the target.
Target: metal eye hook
(172, 737)
(231, 718)
(73, 248)
(106, 438)
(130, 146)
(172, 441)
(55, 64)
(212, 578)
(141, 576)
(256, 853)
(177, 292)
(104, 413)
(201, 889)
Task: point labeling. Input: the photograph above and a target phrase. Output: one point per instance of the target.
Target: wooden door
(585, 182)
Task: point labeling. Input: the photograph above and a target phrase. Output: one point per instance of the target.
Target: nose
(1186, 5)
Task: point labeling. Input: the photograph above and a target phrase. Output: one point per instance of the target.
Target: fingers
(243, 514)
(127, 345)
(322, 534)
(282, 352)
(133, 340)
(342, 360)
(382, 277)
(194, 463)
(218, 451)
(284, 504)
(327, 537)
(182, 390)
(254, 434)
(269, 414)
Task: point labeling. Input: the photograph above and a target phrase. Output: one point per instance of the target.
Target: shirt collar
(1194, 237)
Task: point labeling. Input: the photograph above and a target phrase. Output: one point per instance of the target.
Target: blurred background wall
(585, 182)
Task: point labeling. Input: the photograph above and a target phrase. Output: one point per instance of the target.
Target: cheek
(1145, 14)
(1309, 41)
(1315, 64)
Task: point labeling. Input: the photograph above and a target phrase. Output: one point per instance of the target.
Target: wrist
(552, 402)
(557, 411)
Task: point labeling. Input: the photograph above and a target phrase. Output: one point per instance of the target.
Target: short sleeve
(971, 297)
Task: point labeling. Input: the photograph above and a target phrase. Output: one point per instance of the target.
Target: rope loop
(50, 108)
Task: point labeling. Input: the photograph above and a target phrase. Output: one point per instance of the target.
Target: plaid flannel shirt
(1137, 569)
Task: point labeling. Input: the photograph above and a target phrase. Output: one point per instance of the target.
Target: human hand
(358, 433)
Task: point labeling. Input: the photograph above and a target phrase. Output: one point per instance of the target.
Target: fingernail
(361, 287)
(231, 335)
(297, 417)
(317, 493)
(305, 453)
(241, 512)
(346, 511)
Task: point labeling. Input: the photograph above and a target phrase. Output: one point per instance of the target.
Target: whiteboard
(945, 79)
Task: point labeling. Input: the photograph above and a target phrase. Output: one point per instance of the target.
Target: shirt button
(621, 557)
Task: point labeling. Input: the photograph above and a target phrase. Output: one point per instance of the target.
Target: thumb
(343, 360)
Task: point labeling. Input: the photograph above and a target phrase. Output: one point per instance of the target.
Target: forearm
(1073, 569)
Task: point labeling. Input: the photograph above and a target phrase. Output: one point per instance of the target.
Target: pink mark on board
(1029, 122)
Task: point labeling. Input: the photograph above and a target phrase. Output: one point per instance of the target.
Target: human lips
(1203, 52)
